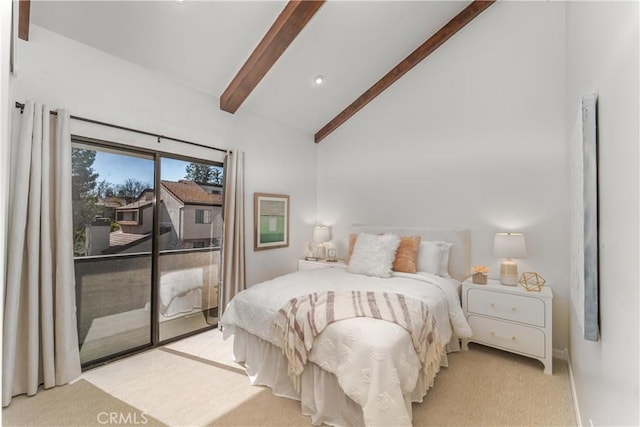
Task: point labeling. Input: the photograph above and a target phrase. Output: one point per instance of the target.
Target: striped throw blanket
(304, 318)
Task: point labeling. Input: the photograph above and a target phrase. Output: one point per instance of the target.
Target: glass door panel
(190, 234)
(113, 201)
(113, 305)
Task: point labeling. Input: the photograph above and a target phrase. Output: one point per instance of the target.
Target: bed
(359, 370)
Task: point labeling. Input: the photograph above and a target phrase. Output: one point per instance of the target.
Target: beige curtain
(40, 340)
(233, 269)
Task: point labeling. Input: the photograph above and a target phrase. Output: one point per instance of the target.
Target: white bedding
(373, 360)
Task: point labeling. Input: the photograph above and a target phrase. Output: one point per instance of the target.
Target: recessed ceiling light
(318, 80)
(178, 1)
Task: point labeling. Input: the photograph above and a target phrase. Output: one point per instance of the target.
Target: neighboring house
(136, 226)
(210, 188)
(137, 217)
(109, 206)
(194, 213)
(191, 217)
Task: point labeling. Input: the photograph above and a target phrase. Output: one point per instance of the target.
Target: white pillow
(433, 257)
(443, 270)
(429, 255)
(373, 255)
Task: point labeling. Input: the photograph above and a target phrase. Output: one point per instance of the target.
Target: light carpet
(489, 387)
(77, 404)
(194, 382)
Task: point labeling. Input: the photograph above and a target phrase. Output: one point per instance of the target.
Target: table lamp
(509, 245)
(321, 234)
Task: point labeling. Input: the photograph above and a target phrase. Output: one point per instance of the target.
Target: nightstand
(510, 318)
(303, 264)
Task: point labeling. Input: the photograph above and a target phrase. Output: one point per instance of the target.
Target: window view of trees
(90, 196)
(102, 207)
(83, 181)
(129, 189)
(202, 173)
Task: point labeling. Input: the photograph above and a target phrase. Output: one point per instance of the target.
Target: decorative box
(479, 278)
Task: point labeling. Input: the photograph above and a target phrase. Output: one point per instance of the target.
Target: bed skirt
(266, 365)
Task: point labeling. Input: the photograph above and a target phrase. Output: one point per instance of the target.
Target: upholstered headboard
(459, 255)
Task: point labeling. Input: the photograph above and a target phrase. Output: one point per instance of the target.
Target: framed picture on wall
(583, 156)
(590, 223)
(270, 221)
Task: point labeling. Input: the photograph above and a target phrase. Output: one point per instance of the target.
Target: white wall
(89, 83)
(474, 137)
(602, 57)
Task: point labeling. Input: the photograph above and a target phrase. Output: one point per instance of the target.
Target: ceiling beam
(24, 10)
(424, 50)
(284, 30)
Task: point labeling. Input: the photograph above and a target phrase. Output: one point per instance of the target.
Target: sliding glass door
(113, 196)
(189, 245)
(147, 237)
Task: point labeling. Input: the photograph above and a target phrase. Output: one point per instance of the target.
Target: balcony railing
(113, 296)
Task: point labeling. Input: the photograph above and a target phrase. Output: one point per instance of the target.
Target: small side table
(510, 318)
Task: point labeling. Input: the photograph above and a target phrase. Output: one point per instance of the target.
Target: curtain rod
(97, 122)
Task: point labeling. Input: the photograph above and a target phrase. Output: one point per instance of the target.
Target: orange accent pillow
(407, 254)
(352, 242)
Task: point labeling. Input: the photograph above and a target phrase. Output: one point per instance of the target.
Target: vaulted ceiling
(263, 55)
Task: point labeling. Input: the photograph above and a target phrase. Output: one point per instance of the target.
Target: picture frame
(590, 221)
(583, 156)
(270, 221)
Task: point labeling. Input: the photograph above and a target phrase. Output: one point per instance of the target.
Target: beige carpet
(489, 387)
(194, 382)
(77, 404)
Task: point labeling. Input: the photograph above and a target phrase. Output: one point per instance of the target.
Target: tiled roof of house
(112, 202)
(136, 205)
(119, 241)
(190, 193)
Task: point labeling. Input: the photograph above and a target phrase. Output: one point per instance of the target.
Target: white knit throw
(305, 317)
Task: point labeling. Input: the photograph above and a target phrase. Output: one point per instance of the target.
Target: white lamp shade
(509, 245)
(321, 234)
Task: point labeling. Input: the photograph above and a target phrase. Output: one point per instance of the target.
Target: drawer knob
(493, 305)
(513, 308)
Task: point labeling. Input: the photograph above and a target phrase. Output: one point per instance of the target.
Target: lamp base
(509, 273)
(322, 251)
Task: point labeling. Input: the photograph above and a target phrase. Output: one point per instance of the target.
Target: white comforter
(374, 360)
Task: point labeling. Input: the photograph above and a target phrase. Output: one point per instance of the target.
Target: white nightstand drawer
(505, 306)
(509, 336)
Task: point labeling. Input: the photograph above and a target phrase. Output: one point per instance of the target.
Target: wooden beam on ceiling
(24, 11)
(284, 30)
(424, 50)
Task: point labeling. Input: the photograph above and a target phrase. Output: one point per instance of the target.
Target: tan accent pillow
(352, 242)
(407, 254)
